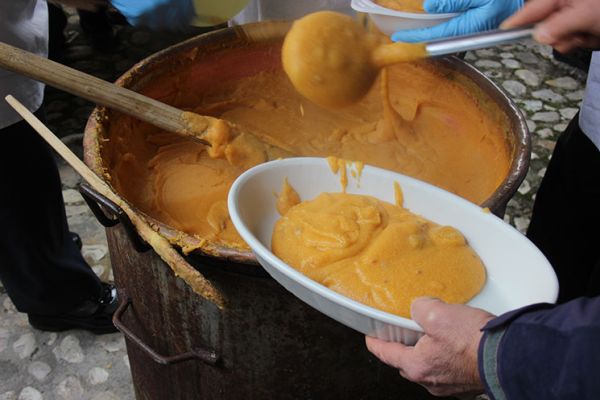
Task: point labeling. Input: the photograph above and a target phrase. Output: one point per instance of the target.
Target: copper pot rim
(274, 31)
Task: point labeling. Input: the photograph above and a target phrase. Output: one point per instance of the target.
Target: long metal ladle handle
(477, 41)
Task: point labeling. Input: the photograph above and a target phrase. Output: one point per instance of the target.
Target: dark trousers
(40, 267)
(565, 224)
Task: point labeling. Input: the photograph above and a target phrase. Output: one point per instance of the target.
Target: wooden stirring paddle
(163, 248)
(107, 94)
(241, 149)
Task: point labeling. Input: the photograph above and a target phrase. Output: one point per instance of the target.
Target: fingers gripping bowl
(517, 273)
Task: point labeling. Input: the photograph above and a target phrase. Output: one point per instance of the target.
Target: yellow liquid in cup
(211, 12)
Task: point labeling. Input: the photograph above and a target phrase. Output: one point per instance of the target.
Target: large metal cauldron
(265, 344)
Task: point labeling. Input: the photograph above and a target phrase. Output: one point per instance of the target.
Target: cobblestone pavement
(77, 365)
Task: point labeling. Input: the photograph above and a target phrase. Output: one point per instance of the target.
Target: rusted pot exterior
(265, 343)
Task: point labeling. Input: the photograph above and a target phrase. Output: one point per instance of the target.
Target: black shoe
(92, 315)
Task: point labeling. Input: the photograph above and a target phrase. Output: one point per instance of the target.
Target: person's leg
(97, 27)
(41, 266)
(57, 22)
(566, 214)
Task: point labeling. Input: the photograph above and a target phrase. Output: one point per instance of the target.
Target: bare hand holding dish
(517, 273)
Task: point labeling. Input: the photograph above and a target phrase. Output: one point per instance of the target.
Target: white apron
(589, 118)
(23, 24)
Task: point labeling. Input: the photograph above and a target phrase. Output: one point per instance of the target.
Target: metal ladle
(333, 61)
(477, 41)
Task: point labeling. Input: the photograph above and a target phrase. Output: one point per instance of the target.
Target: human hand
(563, 24)
(157, 14)
(444, 361)
(477, 16)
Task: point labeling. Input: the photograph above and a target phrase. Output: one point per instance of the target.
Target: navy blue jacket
(543, 351)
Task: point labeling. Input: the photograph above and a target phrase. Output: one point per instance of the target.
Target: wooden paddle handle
(97, 90)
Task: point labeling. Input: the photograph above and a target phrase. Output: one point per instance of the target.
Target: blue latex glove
(477, 16)
(178, 14)
(157, 14)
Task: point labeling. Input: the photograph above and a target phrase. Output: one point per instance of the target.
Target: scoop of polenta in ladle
(333, 60)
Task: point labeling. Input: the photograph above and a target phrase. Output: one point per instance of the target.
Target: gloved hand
(178, 14)
(477, 16)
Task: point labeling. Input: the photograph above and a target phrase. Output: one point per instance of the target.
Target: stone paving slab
(78, 365)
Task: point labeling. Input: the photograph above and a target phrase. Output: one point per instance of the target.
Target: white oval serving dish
(389, 21)
(518, 274)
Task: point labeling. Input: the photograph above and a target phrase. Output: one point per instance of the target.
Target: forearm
(543, 352)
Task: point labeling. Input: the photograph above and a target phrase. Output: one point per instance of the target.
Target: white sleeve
(23, 24)
(589, 117)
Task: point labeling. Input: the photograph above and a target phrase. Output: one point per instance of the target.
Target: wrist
(489, 347)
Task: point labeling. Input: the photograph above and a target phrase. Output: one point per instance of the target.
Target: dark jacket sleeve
(543, 351)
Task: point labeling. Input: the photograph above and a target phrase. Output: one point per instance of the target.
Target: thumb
(393, 354)
(451, 6)
(428, 313)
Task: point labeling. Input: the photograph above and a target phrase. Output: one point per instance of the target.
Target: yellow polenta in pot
(428, 125)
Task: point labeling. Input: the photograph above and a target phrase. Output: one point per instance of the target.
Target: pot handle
(206, 356)
(100, 205)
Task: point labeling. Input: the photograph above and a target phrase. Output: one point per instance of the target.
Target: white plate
(517, 272)
(389, 21)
